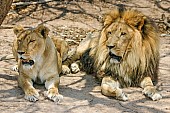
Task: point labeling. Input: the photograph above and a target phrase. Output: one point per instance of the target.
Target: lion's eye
(19, 41)
(123, 33)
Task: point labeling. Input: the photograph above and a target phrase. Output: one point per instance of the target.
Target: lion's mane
(141, 57)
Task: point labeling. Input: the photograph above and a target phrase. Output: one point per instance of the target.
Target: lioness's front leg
(110, 87)
(52, 85)
(27, 85)
(149, 89)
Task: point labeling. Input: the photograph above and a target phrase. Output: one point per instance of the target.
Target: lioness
(126, 54)
(38, 61)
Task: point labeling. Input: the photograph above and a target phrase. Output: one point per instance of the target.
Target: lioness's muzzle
(28, 62)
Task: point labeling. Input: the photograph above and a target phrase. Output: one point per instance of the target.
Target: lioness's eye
(109, 32)
(32, 40)
(123, 33)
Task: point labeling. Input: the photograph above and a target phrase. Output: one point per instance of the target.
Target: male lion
(126, 54)
(39, 61)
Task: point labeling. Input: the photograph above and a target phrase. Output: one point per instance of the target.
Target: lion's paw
(65, 69)
(52, 95)
(120, 95)
(32, 96)
(75, 68)
(151, 92)
(156, 96)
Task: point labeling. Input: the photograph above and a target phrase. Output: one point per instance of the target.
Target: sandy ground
(73, 20)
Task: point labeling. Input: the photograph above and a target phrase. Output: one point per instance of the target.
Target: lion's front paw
(75, 68)
(65, 69)
(53, 95)
(120, 95)
(31, 95)
(156, 96)
(151, 92)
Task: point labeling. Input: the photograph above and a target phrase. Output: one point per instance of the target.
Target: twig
(164, 20)
(7, 57)
(31, 3)
(70, 40)
(11, 26)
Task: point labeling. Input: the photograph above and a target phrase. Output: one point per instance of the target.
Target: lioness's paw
(54, 96)
(75, 68)
(151, 92)
(32, 96)
(15, 68)
(65, 69)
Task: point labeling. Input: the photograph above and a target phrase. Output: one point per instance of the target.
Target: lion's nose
(21, 53)
(110, 46)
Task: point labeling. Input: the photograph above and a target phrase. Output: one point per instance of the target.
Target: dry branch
(31, 3)
(11, 26)
(7, 57)
(164, 20)
(4, 8)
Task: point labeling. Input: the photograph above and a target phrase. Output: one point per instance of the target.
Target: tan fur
(35, 46)
(125, 54)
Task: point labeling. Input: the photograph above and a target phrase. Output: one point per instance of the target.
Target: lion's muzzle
(115, 58)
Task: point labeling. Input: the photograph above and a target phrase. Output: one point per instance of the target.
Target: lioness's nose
(21, 52)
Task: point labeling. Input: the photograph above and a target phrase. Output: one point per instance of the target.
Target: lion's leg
(149, 89)
(110, 87)
(52, 85)
(74, 57)
(75, 67)
(74, 64)
(27, 85)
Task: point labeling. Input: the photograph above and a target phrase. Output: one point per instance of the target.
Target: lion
(126, 54)
(39, 61)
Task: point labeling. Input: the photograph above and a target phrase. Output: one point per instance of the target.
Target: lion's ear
(43, 30)
(111, 17)
(107, 20)
(135, 18)
(140, 23)
(17, 29)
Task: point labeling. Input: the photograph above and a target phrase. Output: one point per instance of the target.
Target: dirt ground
(72, 20)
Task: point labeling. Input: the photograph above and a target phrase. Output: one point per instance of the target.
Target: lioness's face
(30, 44)
(118, 36)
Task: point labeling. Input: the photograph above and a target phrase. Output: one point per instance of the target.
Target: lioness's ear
(42, 30)
(18, 29)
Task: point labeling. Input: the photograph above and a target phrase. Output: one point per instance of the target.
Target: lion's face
(30, 45)
(118, 36)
